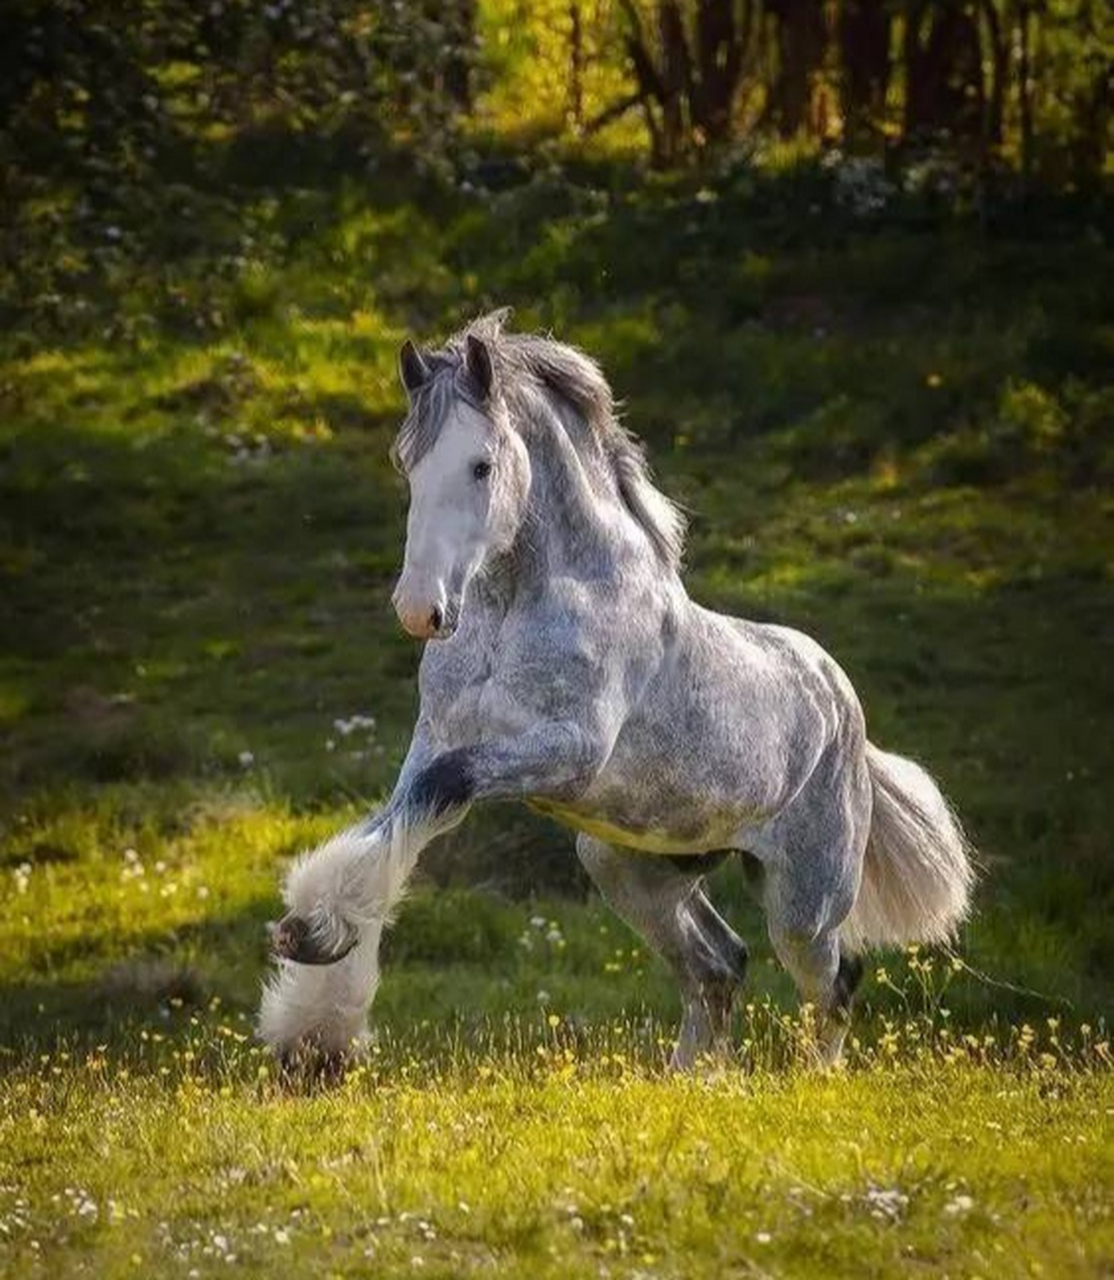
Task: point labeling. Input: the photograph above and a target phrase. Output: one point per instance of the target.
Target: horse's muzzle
(428, 622)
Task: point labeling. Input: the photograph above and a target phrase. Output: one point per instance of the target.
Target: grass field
(562, 1161)
(897, 437)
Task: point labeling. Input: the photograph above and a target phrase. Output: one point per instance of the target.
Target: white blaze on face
(448, 530)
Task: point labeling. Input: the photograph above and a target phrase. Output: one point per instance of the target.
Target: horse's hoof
(306, 1068)
(293, 939)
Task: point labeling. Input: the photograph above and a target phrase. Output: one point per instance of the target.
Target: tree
(863, 32)
(800, 42)
(688, 73)
(944, 93)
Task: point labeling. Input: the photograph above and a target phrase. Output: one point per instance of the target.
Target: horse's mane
(525, 362)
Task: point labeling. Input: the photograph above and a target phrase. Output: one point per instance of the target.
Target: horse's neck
(577, 520)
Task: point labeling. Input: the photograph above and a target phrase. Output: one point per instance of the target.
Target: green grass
(897, 437)
(564, 1156)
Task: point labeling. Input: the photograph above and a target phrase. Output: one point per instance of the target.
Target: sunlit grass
(539, 1151)
(514, 1110)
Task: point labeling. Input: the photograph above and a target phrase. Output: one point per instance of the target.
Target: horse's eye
(482, 470)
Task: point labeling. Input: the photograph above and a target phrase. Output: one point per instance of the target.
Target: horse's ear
(477, 360)
(412, 368)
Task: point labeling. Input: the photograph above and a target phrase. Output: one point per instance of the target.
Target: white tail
(917, 871)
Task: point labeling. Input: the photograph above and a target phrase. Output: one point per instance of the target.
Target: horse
(566, 666)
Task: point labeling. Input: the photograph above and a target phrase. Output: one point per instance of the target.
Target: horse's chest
(480, 711)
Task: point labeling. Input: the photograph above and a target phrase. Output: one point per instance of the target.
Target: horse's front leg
(356, 878)
(340, 896)
(315, 1002)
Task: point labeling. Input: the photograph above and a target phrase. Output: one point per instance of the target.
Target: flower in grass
(886, 1202)
(353, 724)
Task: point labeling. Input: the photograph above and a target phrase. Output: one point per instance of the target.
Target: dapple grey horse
(567, 667)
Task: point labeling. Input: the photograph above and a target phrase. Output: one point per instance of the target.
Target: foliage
(94, 84)
(985, 85)
(114, 116)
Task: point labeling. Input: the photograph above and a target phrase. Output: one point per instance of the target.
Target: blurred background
(847, 264)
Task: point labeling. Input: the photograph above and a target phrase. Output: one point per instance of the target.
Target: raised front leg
(357, 877)
(341, 896)
(663, 899)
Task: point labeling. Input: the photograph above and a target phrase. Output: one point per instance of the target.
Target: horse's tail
(917, 870)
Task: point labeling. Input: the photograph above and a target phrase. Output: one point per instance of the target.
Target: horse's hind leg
(664, 901)
(810, 887)
(825, 975)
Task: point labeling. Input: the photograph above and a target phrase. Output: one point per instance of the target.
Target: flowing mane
(534, 362)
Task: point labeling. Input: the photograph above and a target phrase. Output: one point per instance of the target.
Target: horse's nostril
(435, 618)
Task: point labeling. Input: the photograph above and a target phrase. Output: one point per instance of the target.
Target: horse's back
(776, 674)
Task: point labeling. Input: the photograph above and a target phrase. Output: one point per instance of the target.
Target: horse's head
(469, 475)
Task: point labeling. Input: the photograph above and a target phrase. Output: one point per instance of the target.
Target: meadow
(893, 432)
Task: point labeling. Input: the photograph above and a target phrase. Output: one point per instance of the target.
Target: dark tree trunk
(1094, 109)
(1025, 90)
(676, 76)
(864, 44)
(720, 48)
(651, 90)
(461, 21)
(801, 37)
(999, 72)
(688, 84)
(943, 70)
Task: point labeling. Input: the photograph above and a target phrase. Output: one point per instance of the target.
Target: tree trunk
(999, 72)
(864, 44)
(677, 80)
(801, 37)
(719, 55)
(1025, 91)
(687, 84)
(650, 88)
(943, 73)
